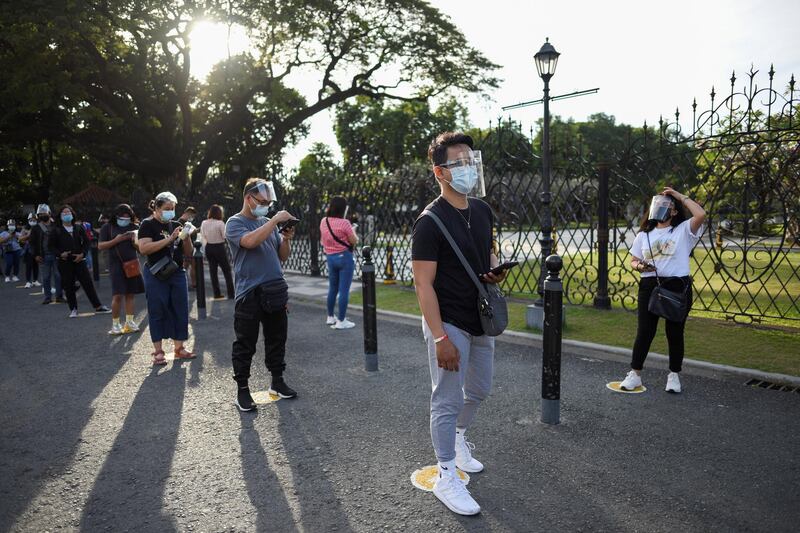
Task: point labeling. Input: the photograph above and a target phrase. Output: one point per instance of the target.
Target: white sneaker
(343, 324)
(73, 313)
(130, 327)
(116, 329)
(52, 291)
(8, 279)
(28, 285)
(464, 459)
(452, 492)
(37, 284)
(14, 278)
(673, 382)
(631, 382)
(331, 320)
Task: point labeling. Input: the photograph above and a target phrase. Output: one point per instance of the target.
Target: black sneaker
(102, 310)
(244, 401)
(47, 301)
(280, 388)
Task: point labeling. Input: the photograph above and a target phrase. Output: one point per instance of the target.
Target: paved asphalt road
(94, 439)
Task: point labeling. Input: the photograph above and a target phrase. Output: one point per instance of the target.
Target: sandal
(184, 354)
(158, 358)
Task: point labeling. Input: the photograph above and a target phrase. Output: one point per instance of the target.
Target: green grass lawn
(769, 349)
(715, 288)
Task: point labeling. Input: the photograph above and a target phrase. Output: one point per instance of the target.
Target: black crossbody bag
(665, 303)
(492, 306)
(164, 268)
(337, 239)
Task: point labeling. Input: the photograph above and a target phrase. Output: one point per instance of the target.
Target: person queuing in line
(188, 263)
(118, 237)
(660, 252)
(259, 247)
(69, 243)
(40, 247)
(165, 243)
(460, 354)
(212, 233)
(102, 220)
(31, 266)
(12, 249)
(338, 240)
(90, 234)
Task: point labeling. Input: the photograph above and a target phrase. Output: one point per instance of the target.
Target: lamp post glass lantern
(546, 61)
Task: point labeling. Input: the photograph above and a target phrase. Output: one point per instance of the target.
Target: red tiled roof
(93, 195)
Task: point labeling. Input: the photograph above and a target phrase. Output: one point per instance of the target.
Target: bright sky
(647, 57)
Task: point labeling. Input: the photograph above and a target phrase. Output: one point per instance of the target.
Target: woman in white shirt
(212, 231)
(663, 244)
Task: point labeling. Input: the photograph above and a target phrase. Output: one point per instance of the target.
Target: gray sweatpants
(457, 395)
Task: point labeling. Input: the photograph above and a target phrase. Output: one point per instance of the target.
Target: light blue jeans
(340, 276)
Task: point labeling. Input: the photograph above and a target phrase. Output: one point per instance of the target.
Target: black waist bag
(273, 296)
(668, 304)
(164, 268)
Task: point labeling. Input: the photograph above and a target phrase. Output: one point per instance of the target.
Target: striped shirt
(341, 228)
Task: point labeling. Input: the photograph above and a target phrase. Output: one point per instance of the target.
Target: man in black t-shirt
(461, 357)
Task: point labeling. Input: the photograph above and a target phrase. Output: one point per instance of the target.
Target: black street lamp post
(546, 60)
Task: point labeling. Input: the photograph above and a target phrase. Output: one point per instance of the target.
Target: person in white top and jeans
(212, 233)
(664, 243)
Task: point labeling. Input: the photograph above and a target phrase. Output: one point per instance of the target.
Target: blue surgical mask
(166, 216)
(122, 222)
(12, 228)
(260, 210)
(66, 218)
(464, 178)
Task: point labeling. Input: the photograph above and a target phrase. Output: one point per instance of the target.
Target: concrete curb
(611, 352)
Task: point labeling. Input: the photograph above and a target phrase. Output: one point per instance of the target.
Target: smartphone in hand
(283, 226)
(502, 268)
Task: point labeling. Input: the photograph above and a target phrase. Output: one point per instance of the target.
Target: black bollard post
(551, 342)
(95, 261)
(370, 311)
(200, 279)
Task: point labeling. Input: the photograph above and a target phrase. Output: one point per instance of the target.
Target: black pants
(71, 272)
(248, 317)
(648, 323)
(216, 257)
(31, 268)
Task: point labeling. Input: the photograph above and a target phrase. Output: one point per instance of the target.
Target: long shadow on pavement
(130, 488)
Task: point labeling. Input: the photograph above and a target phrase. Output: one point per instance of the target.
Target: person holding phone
(117, 236)
(663, 244)
(259, 248)
(70, 243)
(166, 243)
(460, 354)
(338, 240)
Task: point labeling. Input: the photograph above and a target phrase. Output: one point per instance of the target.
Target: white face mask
(12, 228)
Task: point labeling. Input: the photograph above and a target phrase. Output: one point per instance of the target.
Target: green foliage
(112, 79)
(381, 137)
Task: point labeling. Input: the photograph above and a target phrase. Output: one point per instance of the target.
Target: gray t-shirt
(255, 266)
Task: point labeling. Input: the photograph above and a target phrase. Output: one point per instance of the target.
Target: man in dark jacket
(40, 236)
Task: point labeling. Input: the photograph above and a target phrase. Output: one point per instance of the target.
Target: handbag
(164, 268)
(131, 268)
(492, 307)
(337, 239)
(671, 305)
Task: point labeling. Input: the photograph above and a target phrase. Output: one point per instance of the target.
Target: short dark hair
(215, 211)
(71, 210)
(190, 209)
(249, 183)
(437, 151)
(337, 207)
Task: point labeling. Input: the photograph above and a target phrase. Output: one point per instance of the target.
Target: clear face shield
(264, 192)
(467, 173)
(660, 208)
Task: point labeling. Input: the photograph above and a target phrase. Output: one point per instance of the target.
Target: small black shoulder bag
(665, 303)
